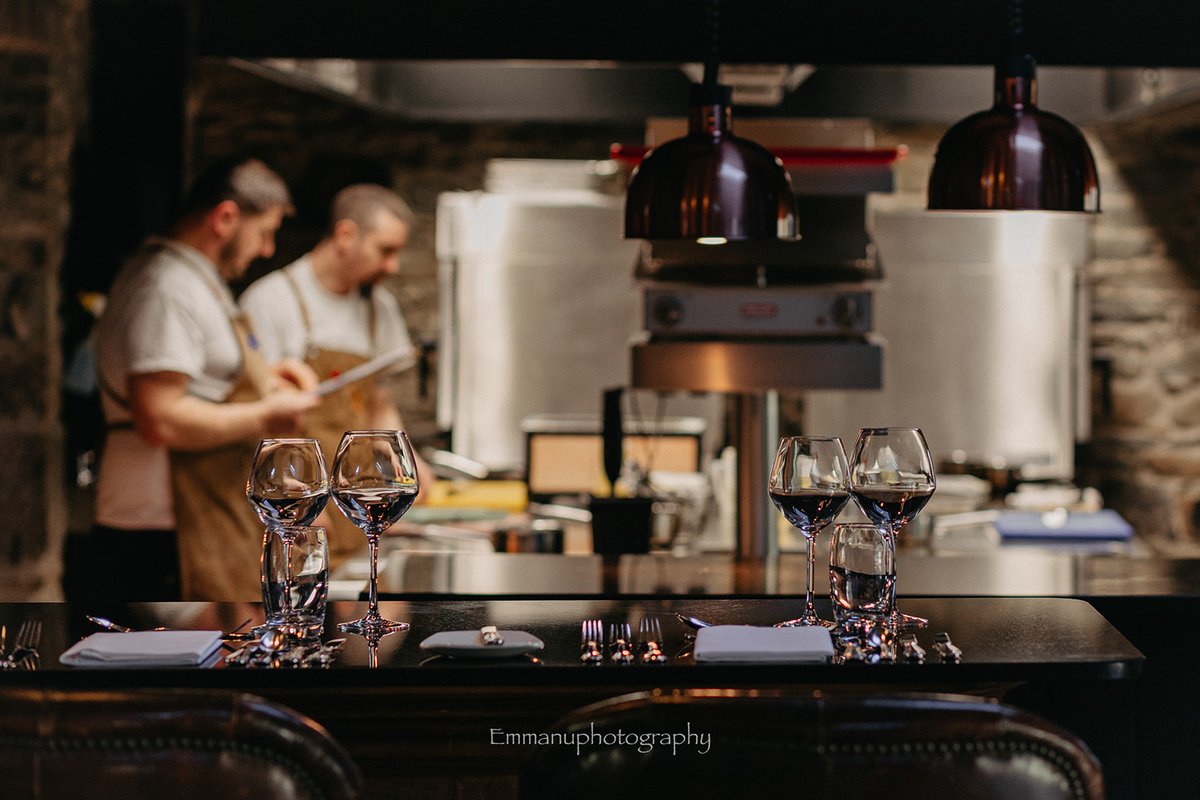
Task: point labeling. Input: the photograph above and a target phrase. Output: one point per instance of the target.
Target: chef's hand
(291, 373)
(283, 411)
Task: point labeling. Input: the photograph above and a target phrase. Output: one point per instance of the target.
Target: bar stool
(715, 743)
(185, 745)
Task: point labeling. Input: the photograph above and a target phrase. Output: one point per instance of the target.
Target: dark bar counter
(1005, 640)
(423, 724)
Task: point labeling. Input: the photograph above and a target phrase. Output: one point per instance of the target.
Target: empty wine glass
(891, 479)
(288, 487)
(809, 484)
(374, 483)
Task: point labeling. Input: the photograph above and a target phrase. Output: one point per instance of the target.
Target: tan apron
(346, 409)
(220, 535)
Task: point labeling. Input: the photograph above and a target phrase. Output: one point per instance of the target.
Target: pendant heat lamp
(710, 186)
(1014, 155)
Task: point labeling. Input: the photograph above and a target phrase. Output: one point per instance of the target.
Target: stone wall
(42, 56)
(1144, 452)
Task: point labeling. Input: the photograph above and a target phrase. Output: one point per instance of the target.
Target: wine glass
(288, 487)
(374, 482)
(809, 484)
(891, 479)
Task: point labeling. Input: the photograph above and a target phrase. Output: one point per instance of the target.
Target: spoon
(109, 625)
(693, 622)
(272, 642)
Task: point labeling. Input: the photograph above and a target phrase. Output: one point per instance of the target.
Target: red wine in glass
(891, 480)
(809, 484)
(810, 509)
(890, 506)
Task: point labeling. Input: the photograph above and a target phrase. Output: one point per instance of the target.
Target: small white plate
(469, 644)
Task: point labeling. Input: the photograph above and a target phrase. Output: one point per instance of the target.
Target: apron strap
(304, 317)
(108, 391)
(372, 328)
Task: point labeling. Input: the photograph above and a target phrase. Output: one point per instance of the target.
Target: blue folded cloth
(1103, 525)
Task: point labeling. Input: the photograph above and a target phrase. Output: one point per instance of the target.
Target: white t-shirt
(338, 322)
(168, 311)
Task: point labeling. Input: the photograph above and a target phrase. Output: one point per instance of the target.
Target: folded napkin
(1105, 524)
(728, 643)
(143, 649)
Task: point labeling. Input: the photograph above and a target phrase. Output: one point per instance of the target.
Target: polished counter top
(1118, 570)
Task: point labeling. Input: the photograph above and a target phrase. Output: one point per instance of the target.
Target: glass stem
(811, 535)
(373, 584)
(890, 537)
(288, 578)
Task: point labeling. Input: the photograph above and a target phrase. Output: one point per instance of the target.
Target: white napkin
(143, 649)
(729, 643)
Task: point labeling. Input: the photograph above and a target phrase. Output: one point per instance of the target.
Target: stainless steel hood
(568, 91)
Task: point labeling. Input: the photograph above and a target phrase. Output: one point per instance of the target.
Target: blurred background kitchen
(109, 106)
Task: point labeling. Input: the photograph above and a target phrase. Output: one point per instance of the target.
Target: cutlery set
(275, 651)
(267, 647)
(621, 647)
(24, 654)
(878, 644)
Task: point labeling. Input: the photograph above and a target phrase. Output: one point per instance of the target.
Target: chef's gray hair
(250, 183)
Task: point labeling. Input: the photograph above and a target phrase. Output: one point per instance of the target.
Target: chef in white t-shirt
(186, 396)
(329, 309)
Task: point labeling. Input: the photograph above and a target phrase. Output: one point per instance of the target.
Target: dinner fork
(619, 634)
(592, 633)
(650, 635)
(25, 646)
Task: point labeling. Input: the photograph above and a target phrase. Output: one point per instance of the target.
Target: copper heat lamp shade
(710, 183)
(1014, 155)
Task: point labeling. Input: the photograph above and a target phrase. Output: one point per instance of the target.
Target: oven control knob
(846, 311)
(668, 311)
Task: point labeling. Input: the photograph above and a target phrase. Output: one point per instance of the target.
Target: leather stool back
(809, 746)
(165, 744)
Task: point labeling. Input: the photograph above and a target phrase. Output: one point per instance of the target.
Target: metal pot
(537, 536)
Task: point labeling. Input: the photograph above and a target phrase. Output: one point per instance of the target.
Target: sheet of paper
(396, 360)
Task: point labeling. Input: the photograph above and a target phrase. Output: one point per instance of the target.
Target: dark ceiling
(1150, 33)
